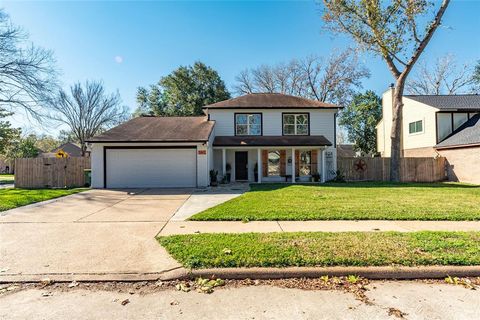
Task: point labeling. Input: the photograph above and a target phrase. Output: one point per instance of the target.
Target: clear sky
(133, 43)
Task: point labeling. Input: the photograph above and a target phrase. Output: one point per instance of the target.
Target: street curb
(373, 273)
(426, 272)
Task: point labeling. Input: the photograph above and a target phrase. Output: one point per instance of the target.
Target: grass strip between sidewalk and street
(13, 198)
(351, 201)
(310, 249)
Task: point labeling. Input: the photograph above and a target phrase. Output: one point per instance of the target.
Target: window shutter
(283, 155)
(297, 163)
(264, 163)
(314, 161)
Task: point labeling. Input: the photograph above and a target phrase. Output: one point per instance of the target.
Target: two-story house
(433, 125)
(262, 137)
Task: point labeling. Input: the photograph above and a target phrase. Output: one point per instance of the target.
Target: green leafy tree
(396, 30)
(151, 102)
(7, 134)
(360, 118)
(22, 147)
(46, 143)
(183, 92)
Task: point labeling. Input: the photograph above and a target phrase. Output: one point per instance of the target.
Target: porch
(270, 164)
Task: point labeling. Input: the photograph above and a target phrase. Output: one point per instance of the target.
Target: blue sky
(129, 44)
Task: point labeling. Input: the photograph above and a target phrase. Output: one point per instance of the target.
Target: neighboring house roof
(460, 101)
(159, 129)
(269, 101)
(73, 149)
(270, 141)
(467, 134)
(346, 151)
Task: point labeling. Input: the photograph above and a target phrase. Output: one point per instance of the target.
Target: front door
(241, 165)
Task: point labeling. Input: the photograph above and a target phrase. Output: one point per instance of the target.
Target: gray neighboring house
(462, 151)
(433, 125)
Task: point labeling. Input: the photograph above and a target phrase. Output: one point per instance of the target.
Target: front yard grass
(6, 178)
(13, 198)
(324, 249)
(351, 201)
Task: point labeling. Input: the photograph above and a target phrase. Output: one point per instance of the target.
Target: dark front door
(241, 165)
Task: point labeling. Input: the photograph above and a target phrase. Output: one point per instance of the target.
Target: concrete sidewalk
(191, 227)
(202, 199)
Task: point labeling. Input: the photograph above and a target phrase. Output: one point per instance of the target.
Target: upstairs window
(415, 127)
(296, 124)
(248, 124)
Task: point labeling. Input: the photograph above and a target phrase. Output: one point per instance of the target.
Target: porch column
(323, 166)
(224, 162)
(319, 162)
(293, 165)
(259, 165)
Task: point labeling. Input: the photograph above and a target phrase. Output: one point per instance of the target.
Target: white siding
(321, 121)
(412, 111)
(415, 111)
(386, 124)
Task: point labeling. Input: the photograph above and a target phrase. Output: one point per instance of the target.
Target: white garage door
(150, 168)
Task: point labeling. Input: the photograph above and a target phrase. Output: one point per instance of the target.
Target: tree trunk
(396, 134)
(83, 146)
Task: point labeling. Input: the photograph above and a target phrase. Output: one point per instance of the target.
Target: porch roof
(270, 141)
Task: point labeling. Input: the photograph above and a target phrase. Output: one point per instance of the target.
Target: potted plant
(213, 178)
(316, 177)
(229, 175)
(255, 172)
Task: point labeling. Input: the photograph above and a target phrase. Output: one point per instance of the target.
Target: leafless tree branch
(332, 79)
(88, 110)
(28, 79)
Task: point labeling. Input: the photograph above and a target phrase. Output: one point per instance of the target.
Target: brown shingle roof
(269, 100)
(159, 129)
(270, 141)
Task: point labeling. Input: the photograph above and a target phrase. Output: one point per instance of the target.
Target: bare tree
(88, 110)
(445, 77)
(398, 31)
(332, 79)
(27, 73)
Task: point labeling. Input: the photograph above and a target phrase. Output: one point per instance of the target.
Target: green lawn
(351, 201)
(6, 178)
(12, 198)
(324, 249)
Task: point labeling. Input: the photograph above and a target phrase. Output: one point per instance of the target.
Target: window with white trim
(248, 124)
(415, 127)
(295, 124)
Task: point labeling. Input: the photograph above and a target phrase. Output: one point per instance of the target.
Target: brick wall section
(419, 152)
(463, 164)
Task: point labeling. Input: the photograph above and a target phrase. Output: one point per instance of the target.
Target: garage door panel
(154, 168)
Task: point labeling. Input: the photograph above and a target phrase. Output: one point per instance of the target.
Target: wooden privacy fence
(51, 172)
(378, 169)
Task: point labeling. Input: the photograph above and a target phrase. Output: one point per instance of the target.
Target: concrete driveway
(97, 234)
